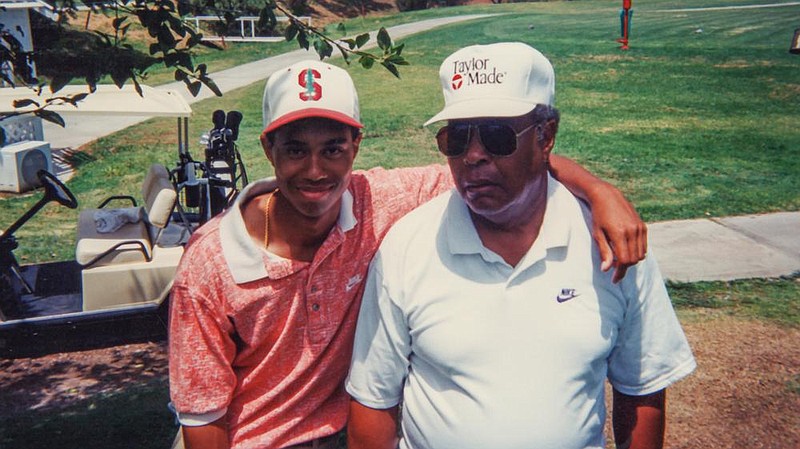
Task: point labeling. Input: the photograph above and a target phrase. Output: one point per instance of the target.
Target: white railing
(247, 23)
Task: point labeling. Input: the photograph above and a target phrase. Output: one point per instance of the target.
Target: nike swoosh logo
(566, 294)
(352, 282)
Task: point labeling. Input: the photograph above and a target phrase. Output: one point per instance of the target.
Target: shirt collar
(245, 259)
(463, 238)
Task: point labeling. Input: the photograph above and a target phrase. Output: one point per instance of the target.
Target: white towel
(109, 220)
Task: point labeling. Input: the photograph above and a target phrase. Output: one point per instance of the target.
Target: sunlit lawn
(698, 118)
(687, 123)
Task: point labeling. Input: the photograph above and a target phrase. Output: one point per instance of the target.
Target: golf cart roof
(24, 4)
(106, 100)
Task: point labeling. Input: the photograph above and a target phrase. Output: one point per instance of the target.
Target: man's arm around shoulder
(639, 421)
(369, 428)
(620, 234)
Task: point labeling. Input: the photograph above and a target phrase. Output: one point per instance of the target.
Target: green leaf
(76, 98)
(396, 59)
(209, 44)
(366, 61)
(50, 116)
(384, 41)
(171, 60)
(211, 85)
(165, 37)
(328, 49)
(25, 102)
(193, 86)
(177, 25)
(391, 68)
(302, 39)
(116, 23)
(351, 44)
(185, 59)
(345, 55)
(362, 39)
(58, 82)
(119, 78)
(267, 19)
(145, 17)
(341, 28)
(323, 48)
(137, 86)
(184, 8)
(290, 32)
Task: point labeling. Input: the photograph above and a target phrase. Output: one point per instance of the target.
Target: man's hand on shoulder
(620, 233)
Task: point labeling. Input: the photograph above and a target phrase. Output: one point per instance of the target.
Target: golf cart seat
(132, 242)
(136, 263)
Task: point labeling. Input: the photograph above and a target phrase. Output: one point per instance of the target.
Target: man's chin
(482, 204)
(317, 208)
(490, 210)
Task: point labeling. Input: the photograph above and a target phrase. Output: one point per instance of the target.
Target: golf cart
(116, 289)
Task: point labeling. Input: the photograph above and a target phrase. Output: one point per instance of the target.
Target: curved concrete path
(687, 250)
(721, 249)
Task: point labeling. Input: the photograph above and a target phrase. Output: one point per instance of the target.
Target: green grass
(138, 417)
(688, 124)
(773, 300)
(132, 419)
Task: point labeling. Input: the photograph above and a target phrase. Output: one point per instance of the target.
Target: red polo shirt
(266, 341)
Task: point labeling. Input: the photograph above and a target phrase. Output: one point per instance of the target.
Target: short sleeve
(201, 347)
(651, 352)
(382, 346)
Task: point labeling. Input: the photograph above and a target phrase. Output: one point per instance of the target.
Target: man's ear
(357, 143)
(550, 129)
(267, 147)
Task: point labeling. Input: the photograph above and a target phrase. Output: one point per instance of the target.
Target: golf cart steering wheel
(56, 190)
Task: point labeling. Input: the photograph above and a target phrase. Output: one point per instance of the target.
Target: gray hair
(540, 116)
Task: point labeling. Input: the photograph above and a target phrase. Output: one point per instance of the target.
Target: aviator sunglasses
(499, 140)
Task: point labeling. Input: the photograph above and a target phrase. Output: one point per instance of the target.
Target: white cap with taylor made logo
(506, 79)
(310, 89)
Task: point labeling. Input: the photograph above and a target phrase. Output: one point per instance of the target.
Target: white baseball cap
(310, 89)
(506, 79)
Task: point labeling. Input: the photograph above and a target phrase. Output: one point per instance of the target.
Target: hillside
(331, 11)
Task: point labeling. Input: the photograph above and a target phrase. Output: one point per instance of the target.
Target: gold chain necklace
(266, 218)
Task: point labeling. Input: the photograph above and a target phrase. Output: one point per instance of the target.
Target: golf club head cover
(218, 118)
(232, 122)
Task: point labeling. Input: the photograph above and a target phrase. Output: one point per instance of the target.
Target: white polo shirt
(483, 354)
